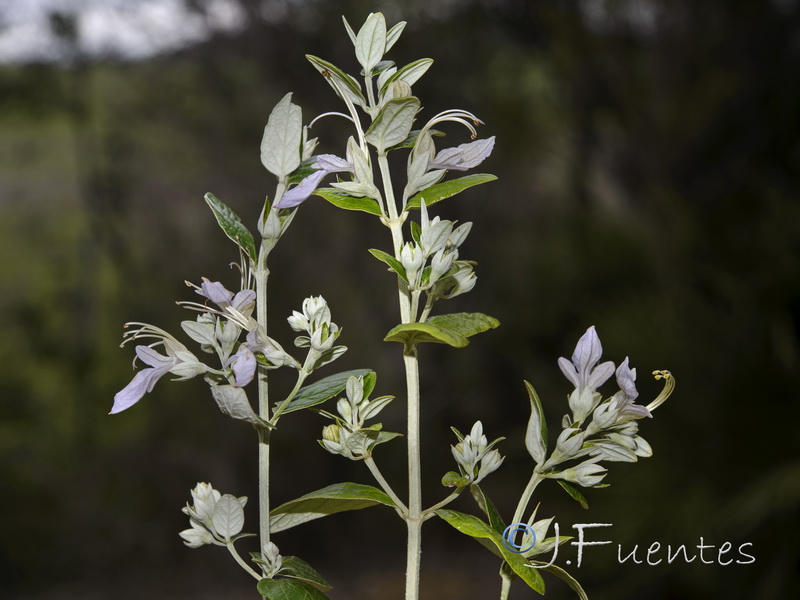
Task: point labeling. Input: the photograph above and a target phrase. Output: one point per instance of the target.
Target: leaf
(232, 225)
(394, 34)
(414, 333)
(332, 499)
(536, 434)
(322, 390)
(202, 333)
(297, 568)
(288, 589)
(233, 402)
(283, 136)
(348, 202)
(574, 492)
(340, 81)
(478, 529)
(443, 190)
(393, 123)
(410, 73)
(466, 324)
(371, 41)
(390, 260)
(228, 516)
(564, 576)
(488, 508)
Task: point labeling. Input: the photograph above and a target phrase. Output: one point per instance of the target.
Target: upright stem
(414, 519)
(262, 275)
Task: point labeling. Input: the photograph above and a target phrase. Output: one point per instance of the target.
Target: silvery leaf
(283, 136)
(371, 41)
(228, 517)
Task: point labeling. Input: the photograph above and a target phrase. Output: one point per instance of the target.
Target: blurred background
(649, 170)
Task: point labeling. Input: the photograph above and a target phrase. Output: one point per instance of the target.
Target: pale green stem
(301, 377)
(262, 276)
(432, 510)
(535, 480)
(376, 473)
(414, 520)
(241, 562)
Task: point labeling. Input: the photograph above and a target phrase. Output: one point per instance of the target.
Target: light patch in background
(117, 28)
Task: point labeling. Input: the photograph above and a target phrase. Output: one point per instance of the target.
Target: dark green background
(649, 172)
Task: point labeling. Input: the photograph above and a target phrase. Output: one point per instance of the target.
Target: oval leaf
(332, 499)
(228, 516)
(443, 190)
(233, 402)
(467, 324)
(536, 434)
(283, 136)
(393, 123)
(322, 390)
(390, 260)
(297, 568)
(232, 225)
(410, 73)
(288, 589)
(371, 41)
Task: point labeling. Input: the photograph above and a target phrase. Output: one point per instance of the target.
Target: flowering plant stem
(519, 513)
(261, 276)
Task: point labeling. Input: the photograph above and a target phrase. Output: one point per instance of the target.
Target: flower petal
(463, 157)
(300, 193)
(142, 383)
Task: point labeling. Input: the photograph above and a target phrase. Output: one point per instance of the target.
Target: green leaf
(453, 479)
(574, 492)
(414, 333)
(466, 324)
(390, 260)
(232, 225)
(371, 41)
(393, 123)
(322, 390)
(340, 81)
(416, 231)
(443, 190)
(283, 136)
(536, 434)
(478, 529)
(348, 202)
(329, 500)
(297, 568)
(410, 73)
(564, 576)
(488, 508)
(288, 589)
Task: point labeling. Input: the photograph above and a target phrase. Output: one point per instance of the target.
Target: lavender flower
(327, 164)
(464, 157)
(585, 374)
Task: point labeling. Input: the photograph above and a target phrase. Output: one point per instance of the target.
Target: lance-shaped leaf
(414, 333)
(340, 81)
(564, 576)
(228, 516)
(330, 500)
(536, 434)
(488, 508)
(289, 589)
(466, 324)
(393, 123)
(574, 492)
(322, 390)
(481, 531)
(446, 189)
(371, 41)
(232, 225)
(390, 260)
(297, 568)
(283, 137)
(410, 73)
(348, 202)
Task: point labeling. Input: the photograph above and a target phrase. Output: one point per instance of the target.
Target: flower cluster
(475, 456)
(612, 433)
(349, 436)
(214, 518)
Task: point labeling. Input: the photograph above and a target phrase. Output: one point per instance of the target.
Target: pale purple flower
(219, 295)
(463, 157)
(243, 364)
(327, 164)
(583, 371)
(145, 380)
(623, 400)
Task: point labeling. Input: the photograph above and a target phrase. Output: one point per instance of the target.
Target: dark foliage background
(649, 161)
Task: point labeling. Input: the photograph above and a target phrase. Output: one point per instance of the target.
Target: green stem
(241, 562)
(535, 480)
(430, 512)
(415, 518)
(376, 473)
(301, 377)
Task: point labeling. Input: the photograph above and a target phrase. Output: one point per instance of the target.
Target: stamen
(330, 114)
(669, 386)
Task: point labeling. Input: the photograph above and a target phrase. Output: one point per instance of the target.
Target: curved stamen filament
(669, 386)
